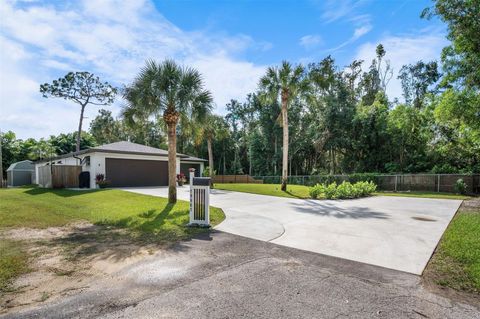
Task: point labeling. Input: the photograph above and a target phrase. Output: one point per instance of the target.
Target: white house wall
(97, 163)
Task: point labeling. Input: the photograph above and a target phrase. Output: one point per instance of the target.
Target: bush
(344, 190)
(460, 187)
(317, 190)
(207, 173)
(331, 191)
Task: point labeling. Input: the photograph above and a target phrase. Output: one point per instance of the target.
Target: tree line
(320, 118)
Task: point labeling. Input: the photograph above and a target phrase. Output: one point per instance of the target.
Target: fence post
(438, 183)
(396, 181)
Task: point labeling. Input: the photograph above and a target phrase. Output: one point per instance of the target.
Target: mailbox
(200, 201)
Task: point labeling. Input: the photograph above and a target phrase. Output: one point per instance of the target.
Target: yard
(300, 191)
(138, 216)
(456, 262)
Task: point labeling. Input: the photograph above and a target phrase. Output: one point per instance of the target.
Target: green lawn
(13, 262)
(293, 191)
(40, 208)
(456, 262)
(300, 191)
(424, 195)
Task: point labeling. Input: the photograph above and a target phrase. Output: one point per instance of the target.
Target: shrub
(317, 190)
(344, 190)
(101, 181)
(460, 186)
(207, 173)
(331, 191)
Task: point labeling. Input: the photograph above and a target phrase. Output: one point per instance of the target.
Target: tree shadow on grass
(294, 195)
(61, 191)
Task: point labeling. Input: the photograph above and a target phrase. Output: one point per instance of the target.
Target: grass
(146, 217)
(424, 195)
(300, 191)
(41, 208)
(13, 262)
(293, 191)
(456, 262)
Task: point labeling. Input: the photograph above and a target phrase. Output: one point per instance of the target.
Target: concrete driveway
(394, 232)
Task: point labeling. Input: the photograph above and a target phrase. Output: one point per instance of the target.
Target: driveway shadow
(330, 209)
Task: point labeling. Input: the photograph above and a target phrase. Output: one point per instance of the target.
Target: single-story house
(127, 164)
(20, 173)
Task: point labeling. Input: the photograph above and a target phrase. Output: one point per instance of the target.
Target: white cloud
(357, 34)
(361, 31)
(403, 50)
(111, 39)
(334, 10)
(310, 41)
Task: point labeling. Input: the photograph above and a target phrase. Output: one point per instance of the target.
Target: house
(126, 164)
(20, 173)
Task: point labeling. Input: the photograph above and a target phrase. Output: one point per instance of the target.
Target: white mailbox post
(199, 201)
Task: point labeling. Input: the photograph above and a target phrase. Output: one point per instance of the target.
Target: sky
(231, 42)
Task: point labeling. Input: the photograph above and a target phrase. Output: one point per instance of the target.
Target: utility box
(200, 201)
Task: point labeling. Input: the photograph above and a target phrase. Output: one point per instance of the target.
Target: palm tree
(286, 83)
(212, 127)
(171, 91)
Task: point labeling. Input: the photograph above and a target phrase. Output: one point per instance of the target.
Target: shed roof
(22, 165)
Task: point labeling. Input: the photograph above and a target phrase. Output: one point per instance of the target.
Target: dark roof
(129, 147)
(125, 147)
(193, 159)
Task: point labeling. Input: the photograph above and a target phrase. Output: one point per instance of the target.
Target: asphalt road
(226, 276)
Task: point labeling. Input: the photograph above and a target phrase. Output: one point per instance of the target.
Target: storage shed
(20, 173)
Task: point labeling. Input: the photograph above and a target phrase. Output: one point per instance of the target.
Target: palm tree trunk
(171, 119)
(285, 141)
(210, 160)
(77, 148)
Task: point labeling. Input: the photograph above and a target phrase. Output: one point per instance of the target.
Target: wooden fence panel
(236, 179)
(65, 175)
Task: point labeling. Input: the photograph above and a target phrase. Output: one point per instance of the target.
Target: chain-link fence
(399, 182)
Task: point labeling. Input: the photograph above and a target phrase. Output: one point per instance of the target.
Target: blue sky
(230, 42)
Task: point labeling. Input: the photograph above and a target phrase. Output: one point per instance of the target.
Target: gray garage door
(132, 173)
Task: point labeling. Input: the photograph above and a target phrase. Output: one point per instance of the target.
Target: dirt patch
(68, 260)
(472, 204)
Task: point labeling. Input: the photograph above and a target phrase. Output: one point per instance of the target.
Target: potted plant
(181, 179)
(101, 181)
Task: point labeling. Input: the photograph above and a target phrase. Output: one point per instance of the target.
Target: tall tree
(66, 143)
(104, 128)
(211, 128)
(174, 91)
(416, 80)
(461, 59)
(286, 82)
(83, 88)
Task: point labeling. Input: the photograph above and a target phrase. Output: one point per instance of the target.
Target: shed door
(131, 173)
